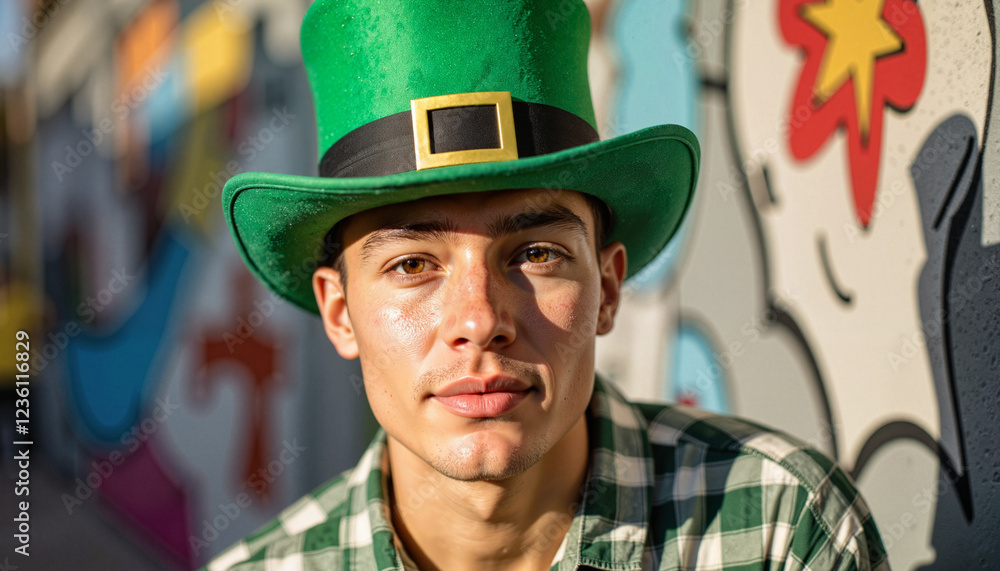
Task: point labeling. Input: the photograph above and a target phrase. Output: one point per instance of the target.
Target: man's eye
(411, 266)
(537, 255)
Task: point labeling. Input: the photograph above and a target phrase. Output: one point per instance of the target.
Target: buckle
(420, 108)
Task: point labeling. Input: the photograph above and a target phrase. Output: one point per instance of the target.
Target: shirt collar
(610, 529)
(611, 523)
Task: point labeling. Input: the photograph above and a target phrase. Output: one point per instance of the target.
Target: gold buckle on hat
(419, 109)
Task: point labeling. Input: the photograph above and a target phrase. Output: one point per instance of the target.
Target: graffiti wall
(176, 404)
(840, 275)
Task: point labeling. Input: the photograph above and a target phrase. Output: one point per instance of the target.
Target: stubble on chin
(473, 460)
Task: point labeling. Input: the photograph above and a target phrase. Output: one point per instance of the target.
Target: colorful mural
(836, 278)
(840, 268)
(175, 397)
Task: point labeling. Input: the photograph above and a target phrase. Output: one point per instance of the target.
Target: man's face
(452, 295)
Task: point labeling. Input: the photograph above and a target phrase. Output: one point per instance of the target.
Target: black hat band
(386, 146)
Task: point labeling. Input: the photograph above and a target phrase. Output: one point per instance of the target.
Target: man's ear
(332, 303)
(614, 264)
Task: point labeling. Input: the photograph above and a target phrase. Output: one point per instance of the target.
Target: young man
(485, 234)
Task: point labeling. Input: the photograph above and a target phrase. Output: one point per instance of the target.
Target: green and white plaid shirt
(669, 487)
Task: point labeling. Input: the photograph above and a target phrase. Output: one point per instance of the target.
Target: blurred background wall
(838, 276)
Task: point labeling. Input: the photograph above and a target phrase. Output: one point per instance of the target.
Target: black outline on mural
(766, 176)
(901, 429)
(783, 317)
(824, 257)
(962, 486)
(769, 303)
(888, 432)
(955, 181)
(891, 430)
(786, 319)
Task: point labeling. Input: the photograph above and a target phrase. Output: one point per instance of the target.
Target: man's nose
(477, 312)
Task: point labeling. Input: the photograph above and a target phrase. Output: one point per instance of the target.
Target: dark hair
(603, 221)
(334, 257)
(335, 237)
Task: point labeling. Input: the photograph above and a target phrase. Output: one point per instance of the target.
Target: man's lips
(482, 398)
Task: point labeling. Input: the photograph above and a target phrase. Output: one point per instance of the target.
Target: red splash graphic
(861, 56)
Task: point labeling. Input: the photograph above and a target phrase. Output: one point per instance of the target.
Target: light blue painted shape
(658, 84)
(109, 374)
(696, 371)
(15, 30)
(658, 81)
(168, 105)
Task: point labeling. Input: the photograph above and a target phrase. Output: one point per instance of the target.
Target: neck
(513, 524)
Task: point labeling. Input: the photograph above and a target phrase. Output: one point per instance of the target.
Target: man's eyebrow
(557, 216)
(396, 229)
(391, 230)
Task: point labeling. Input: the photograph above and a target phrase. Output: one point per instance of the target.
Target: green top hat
(419, 98)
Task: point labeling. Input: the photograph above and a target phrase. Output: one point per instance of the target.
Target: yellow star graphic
(856, 36)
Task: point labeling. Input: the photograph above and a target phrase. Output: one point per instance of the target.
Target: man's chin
(487, 456)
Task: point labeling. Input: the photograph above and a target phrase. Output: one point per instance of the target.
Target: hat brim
(647, 178)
